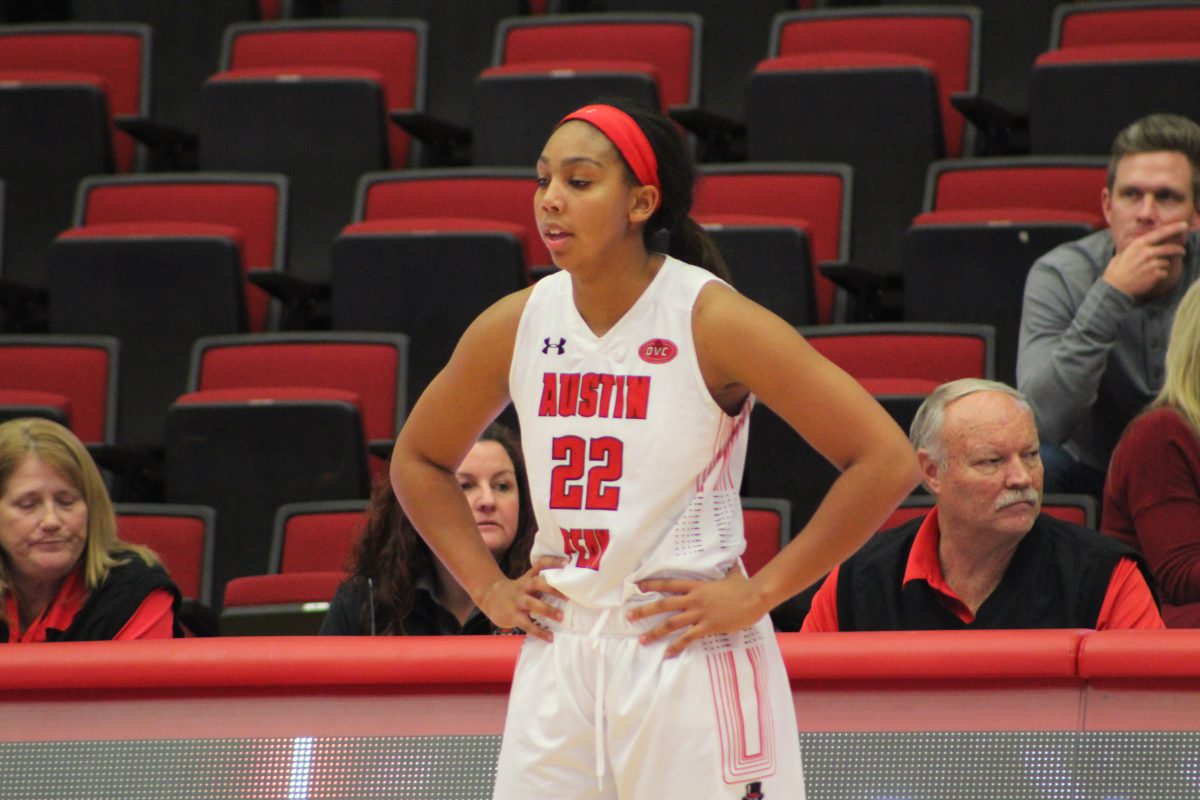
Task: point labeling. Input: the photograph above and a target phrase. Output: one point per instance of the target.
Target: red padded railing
(1049, 680)
(932, 655)
(267, 663)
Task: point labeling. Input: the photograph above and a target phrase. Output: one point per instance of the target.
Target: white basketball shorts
(597, 715)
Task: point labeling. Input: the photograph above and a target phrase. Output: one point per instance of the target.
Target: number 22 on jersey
(585, 478)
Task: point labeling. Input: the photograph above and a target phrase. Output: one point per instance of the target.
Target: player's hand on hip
(698, 608)
(511, 603)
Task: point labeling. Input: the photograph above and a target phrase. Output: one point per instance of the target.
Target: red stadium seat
(906, 351)
(1101, 23)
(1059, 183)
(947, 39)
(985, 222)
(310, 99)
(371, 366)
(550, 64)
(768, 525)
(394, 51)
(290, 604)
(430, 250)
(254, 204)
(62, 88)
(183, 537)
(75, 374)
(250, 395)
(1120, 60)
(455, 199)
(879, 80)
(670, 42)
(118, 55)
(316, 537)
(813, 197)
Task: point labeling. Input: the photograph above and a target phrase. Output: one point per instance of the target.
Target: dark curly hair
(394, 557)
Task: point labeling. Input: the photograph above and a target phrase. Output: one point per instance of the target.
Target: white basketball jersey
(633, 468)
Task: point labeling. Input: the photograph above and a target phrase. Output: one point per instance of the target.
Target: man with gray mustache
(984, 556)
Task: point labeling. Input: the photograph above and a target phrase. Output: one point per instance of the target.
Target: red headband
(626, 135)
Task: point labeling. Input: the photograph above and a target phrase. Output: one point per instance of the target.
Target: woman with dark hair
(413, 592)
(651, 667)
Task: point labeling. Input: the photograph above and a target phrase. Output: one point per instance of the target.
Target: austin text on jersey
(590, 394)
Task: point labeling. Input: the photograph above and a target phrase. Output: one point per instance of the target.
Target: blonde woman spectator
(1152, 496)
(64, 573)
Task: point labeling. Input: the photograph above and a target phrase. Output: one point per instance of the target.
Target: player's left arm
(741, 344)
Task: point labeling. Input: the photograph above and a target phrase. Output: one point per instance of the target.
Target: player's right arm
(445, 422)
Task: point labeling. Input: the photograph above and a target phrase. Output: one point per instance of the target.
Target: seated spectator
(64, 574)
(1096, 311)
(984, 556)
(412, 591)
(1152, 498)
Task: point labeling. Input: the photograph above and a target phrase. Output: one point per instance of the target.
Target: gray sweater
(1090, 356)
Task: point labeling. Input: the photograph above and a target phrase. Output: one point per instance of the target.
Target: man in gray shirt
(1097, 311)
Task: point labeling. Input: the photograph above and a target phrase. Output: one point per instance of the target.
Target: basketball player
(650, 668)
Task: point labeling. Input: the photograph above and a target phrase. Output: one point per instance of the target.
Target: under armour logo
(754, 791)
(560, 346)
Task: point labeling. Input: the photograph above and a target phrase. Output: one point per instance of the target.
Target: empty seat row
(307, 539)
(158, 261)
(287, 91)
(210, 239)
(161, 260)
(189, 36)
